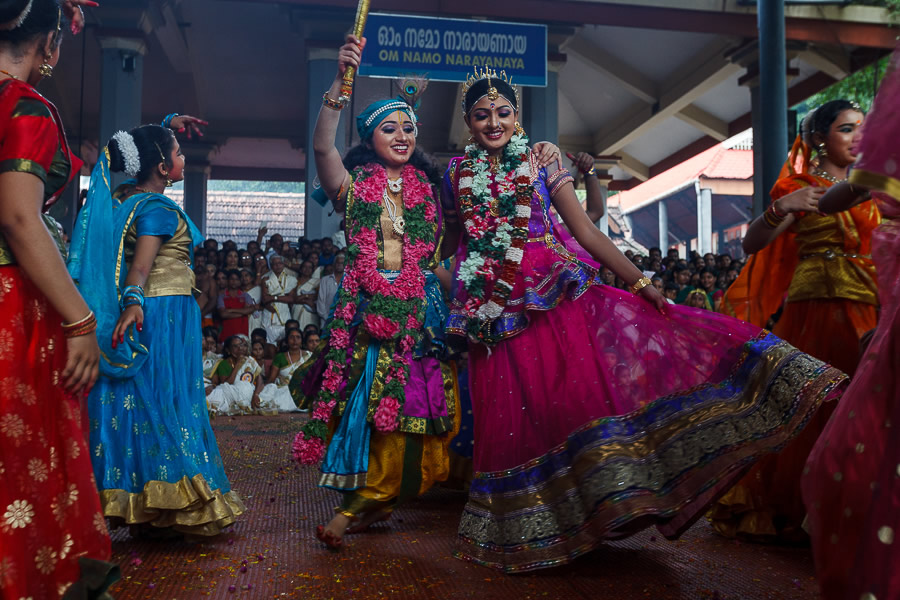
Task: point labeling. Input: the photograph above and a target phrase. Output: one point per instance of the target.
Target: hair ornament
(130, 155)
(411, 89)
(487, 82)
(17, 22)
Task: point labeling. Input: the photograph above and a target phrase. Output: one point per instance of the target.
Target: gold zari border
(188, 506)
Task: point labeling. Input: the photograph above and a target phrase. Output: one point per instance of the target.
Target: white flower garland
(130, 155)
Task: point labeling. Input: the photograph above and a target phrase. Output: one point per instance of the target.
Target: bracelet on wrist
(592, 172)
(330, 103)
(167, 121)
(90, 316)
(639, 285)
(774, 208)
(85, 326)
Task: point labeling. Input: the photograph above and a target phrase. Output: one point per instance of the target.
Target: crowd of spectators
(251, 299)
(699, 281)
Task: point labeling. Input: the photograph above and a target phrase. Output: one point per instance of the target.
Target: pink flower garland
(404, 299)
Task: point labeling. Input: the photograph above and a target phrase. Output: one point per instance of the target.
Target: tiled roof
(718, 162)
(237, 215)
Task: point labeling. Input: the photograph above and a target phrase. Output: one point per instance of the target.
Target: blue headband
(375, 113)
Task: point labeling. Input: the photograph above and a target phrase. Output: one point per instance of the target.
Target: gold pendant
(495, 209)
(399, 226)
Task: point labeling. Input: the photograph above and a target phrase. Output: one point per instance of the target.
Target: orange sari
(821, 270)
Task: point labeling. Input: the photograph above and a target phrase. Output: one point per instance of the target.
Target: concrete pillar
(196, 178)
(540, 110)
(704, 220)
(663, 226)
(121, 77)
(772, 91)
(321, 67)
(720, 241)
(603, 223)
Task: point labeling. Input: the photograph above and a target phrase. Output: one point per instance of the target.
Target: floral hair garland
(496, 240)
(395, 310)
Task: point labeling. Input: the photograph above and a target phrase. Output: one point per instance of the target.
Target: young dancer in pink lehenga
(851, 485)
(575, 445)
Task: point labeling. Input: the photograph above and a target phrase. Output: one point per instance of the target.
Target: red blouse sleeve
(29, 135)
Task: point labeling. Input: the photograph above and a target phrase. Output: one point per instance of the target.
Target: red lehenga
(52, 533)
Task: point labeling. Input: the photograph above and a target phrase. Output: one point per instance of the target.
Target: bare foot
(370, 518)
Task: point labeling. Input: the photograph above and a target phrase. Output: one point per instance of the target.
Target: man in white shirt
(277, 297)
(328, 287)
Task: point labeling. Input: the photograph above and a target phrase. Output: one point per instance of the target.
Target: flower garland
(497, 229)
(395, 310)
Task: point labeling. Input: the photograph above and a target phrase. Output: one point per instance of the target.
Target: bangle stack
(557, 180)
(167, 122)
(133, 295)
(639, 285)
(85, 326)
(772, 217)
(332, 104)
(592, 172)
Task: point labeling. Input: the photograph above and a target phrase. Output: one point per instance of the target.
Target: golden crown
(489, 74)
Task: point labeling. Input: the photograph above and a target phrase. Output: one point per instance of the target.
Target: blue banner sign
(449, 49)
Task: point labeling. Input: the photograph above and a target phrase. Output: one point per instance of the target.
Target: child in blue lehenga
(154, 454)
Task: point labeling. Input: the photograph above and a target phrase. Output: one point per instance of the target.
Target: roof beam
(623, 74)
(633, 166)
(828, 60)
(699, 74)
(708, 123)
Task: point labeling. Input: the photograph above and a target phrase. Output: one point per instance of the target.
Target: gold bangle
(79, 322)
(639, 285)
(332, 104)
(591, 171)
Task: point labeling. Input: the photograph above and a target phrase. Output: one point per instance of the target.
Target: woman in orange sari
(820, 267)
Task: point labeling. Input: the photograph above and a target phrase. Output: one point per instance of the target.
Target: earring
(46, 69)
(519, 129)
(168, 181)
(822, 151)
(471, 140)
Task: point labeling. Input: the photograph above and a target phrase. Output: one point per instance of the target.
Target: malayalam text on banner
(448, 49)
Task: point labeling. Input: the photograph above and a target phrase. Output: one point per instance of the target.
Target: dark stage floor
(272, 553)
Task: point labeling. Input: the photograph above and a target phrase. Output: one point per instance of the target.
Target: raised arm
(584, 162)
(329, 166)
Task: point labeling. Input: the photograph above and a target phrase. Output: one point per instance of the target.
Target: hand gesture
(546, 153)
(81, 363)
(188, 124)
(803, 200)
(72, 10)
(652, 295)
(350, 54)
(132, 315)
(583, 161)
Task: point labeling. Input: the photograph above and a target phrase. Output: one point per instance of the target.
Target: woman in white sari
(236, 379)
(276, 396)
